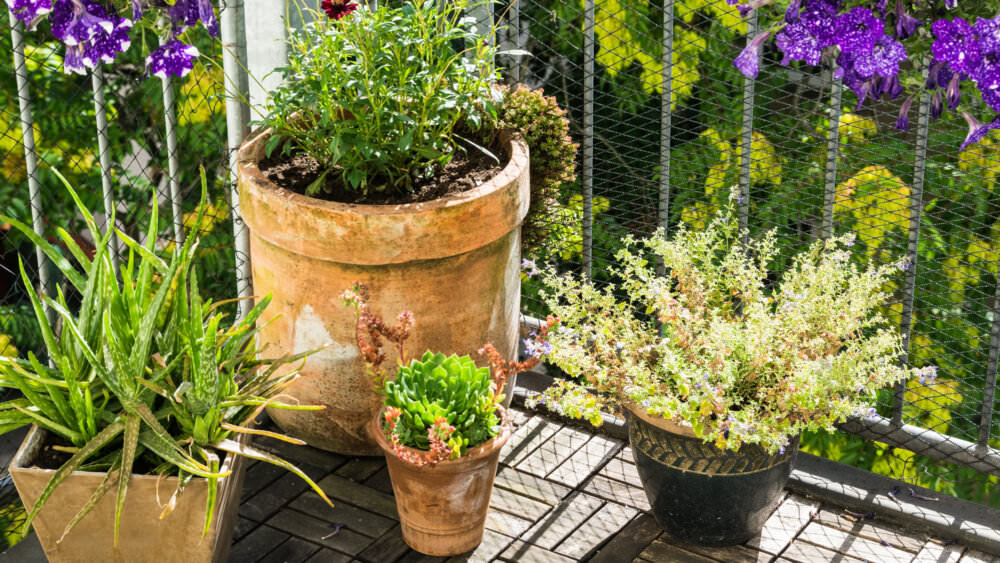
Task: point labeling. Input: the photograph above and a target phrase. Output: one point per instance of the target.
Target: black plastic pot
(701, 494)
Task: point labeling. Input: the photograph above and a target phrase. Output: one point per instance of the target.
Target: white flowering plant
(718, 344)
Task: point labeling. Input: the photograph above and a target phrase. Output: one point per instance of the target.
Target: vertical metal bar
(587, 175)
(832, 155)
(666, 113)
(237, 119)
(30, 157)
(989, 391)
(747, 135)
(170, 117)
(514, 27)
(916, 210)
(104, 155)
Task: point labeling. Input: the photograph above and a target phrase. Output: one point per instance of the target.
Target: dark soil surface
(467, 170)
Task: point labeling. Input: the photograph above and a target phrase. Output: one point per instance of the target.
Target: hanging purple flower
(858, 84)
(987, 78)
(950, 4)
(73, 60)
(956, 44)
(748, 60)
(937, 105)
(207, 14)
(989, 35)
(953, 92)
(881, 5)
(173, 58)
(906, 25)
(183, 14)
(137, 9)
(858, 30)
(76, 21)
(820, 18)
(903, 121)
(795, 41)
(28, 11)
(106, 46)
(977, 130)
(883, 59)
(792, 12)
(938, 75)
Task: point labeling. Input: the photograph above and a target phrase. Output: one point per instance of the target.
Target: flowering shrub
(737, 360)
(863, 41)
(378, 97)
(435, 407)
(96, 31)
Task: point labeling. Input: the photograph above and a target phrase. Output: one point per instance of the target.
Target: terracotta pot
(454, 262)
(442, 508)
(701, 494)
(143, 536)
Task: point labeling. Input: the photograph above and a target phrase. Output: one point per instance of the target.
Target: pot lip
(670, 425)
(472, 455)
(251, 150)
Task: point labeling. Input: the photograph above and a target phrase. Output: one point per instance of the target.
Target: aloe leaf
(213, 491)
(101, 490)
(258, 432)
(89, 449)
(52, 252)
(246, 450)
(48, 336)
(87, 216)
(157, 439)
(129, 446)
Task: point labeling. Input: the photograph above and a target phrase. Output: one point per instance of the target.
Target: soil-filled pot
(453, 261)
(701, 494)
(442, 508)
(143, 536)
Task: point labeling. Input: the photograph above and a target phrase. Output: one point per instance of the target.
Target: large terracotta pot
(454, 262)
(143, 536)
(701, 494)
(442, 508)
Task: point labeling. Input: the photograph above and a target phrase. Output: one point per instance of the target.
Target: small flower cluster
(438, 434)
(715, 345)
(868, 51)
(94, 32)
(371, 329)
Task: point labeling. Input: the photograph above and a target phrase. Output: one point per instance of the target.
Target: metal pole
(989, 391)
(587, 175)
(832, 155)
(170, 117)
(515, 28)
(666, 109)
(30, 157)
(916, 210)
(747, 136)
(237, 118)
(104, 155)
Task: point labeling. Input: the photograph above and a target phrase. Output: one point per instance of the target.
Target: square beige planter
(144, 537)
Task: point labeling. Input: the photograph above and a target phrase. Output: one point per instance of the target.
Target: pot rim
(472, 455)
(670, 425)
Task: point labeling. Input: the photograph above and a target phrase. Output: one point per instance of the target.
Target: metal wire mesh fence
(668, 140)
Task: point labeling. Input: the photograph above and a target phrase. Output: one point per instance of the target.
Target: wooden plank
(792, 515)
(243, 527)
(269, 500)
(660, 550)
(318, 531)
(976, 556)
(490, 548)
(596, 530)
(934, 552)
(346, 490)
(388, 547)
(595, 453)
(256, 544)
(342, 513)
(873, 530)
(616, 491)
(843, 542)
(360, 468)
(518, 505)
(303, 456)
(802, 552)
(526, 440)
(622, 470)
(733, 554)
(531, 486)
(328, 556)
(380, 481)
(506, 524)
(294, 550)
(521, 552)
(564, 518)
(630, 542)
(551, 453)
(257, 476)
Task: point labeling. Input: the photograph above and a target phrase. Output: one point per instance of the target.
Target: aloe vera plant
(142, 367)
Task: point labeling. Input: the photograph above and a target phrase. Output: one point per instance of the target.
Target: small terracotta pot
(143, 537)
(701, 494)
(442, 508)
(454, 262)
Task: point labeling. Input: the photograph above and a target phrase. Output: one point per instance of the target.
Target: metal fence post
(666, 109)
(104, 155)
(746, 142)
(832, 156)
(587, 174)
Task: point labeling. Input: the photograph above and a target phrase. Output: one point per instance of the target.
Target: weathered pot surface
(442, 508)
(454, 262)
(701, 494)
(143, 537)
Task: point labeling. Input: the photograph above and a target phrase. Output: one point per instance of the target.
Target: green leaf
(129, 445)
(110, 477)
(249, 451)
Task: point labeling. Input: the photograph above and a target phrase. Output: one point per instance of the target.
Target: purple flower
(795, 41)
(748, 61)
(977, 130)
(792, 12)
(183, 14)
(903, 121)
(891, 86)
(883, 59)
(937, 105)
(529, 267)
(820, 18)
(953, 92)
(938, 75)
(73, 60)
(207, 15)
(987, 78)
(173, 58)
(137, 9)
(535, 348)
(950, 4)
(858, 30)
(928, 374)
(988, 32)
(77, 21)
(857, 83)
(956, 44)
(106, 46)
(906, 24)
(28, 11)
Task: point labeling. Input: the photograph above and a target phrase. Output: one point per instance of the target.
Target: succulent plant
(452, 388)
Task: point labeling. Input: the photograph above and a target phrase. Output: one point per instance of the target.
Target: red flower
(337, 9)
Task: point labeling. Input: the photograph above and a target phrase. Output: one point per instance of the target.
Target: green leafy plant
(142, 368)
(437, 404)
(377, 97)
(736, 360)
